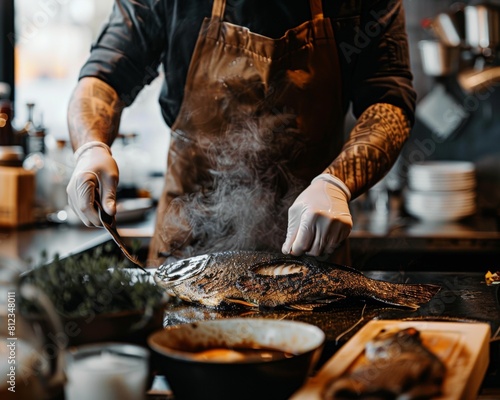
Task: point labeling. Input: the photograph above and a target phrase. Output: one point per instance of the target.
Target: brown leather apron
(259, 119)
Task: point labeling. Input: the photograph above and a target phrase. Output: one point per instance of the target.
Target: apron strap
(316, 9)
(218, 9)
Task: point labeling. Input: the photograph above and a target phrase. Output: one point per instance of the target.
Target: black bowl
(176, 354)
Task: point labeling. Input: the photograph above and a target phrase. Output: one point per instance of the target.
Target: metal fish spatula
(109, 224)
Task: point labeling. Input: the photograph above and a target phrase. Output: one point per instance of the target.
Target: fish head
(205, 279)
(389, 343)
(175, 273)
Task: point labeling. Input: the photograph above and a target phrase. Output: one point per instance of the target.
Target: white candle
(106, 376)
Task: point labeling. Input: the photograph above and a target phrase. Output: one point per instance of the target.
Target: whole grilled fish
(271, 280)
(399, 367)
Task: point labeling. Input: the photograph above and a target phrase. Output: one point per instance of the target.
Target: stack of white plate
(441, 190)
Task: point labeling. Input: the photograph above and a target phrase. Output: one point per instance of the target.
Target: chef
(255, 93)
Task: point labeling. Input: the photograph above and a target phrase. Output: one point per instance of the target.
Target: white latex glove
(319, 219)
(95, 169)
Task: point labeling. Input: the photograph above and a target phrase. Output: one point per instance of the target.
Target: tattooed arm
(372, 148)
(93, 119)
(319, 219)
(94, 113)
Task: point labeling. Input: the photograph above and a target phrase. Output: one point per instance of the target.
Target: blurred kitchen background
(455, 60)
(456, 73)
(52, 40)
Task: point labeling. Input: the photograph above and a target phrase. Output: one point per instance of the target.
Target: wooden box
(17, 196)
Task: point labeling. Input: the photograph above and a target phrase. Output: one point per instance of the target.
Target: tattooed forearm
(372, 148)
(94, 112)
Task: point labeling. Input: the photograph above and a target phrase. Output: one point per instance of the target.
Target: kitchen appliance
(442, 113)
(449, 27)
(438, 58)
(482, 37)
(465, 43)
(482, 28)
(474, 80)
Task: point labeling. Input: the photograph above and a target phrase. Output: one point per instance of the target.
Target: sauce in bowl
(220, 354)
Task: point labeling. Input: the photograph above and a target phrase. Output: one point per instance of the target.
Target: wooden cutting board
(463, 347)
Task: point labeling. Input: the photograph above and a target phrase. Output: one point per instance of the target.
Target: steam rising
(246, 205)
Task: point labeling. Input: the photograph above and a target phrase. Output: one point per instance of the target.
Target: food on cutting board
(397, 366)
(271, 280)
(492, 278)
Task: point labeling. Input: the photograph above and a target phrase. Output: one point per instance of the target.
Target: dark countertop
(26, 244)
(395, 223)
(393, 240)
(464, 297)
(378, 241)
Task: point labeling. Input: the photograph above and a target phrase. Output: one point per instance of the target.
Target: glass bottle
(35, 134)
(37, 161)
(61, 163)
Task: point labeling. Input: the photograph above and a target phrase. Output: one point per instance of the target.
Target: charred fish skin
(211, 279)
(207, 279)
(318, 283)
(399, 367)
(271, 280)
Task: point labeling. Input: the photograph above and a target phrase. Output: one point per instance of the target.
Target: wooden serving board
(463, 347)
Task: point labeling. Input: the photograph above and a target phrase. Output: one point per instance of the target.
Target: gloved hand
(319, 219)
(95, 169)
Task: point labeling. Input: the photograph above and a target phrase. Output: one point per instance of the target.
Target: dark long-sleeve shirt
(141, 35)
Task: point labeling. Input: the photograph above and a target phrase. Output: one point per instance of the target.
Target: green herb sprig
(92, 283)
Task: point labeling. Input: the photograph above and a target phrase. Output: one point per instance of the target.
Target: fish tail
(403, 294)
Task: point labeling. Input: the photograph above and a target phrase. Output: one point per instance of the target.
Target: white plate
(445, 167)
(463, 347)
(445, 185)
(440, 206)
(441, 215)
(442, 175)
(444, 202)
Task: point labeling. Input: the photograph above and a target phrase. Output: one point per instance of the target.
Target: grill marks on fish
(292, 282)
(271, 280)
(325, 283)
(398, 366)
